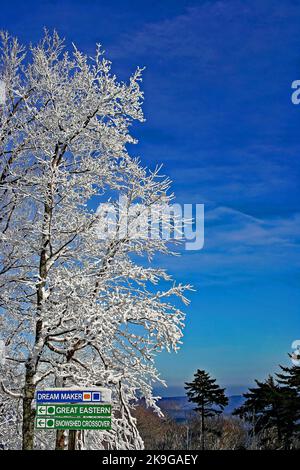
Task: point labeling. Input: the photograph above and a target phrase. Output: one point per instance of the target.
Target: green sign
(73, 423)
(69, 410)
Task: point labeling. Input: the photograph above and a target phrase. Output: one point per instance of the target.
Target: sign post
(74, 409)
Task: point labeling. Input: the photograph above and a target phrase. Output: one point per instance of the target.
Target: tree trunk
(64, 442)
(202, 428)
(72, 440)
(29, 390)
(278, 425)
(60, 442)
(61, 437)
(28, 412)
(32, 362)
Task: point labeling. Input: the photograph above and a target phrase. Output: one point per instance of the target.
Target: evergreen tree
(208, 396)
(290, 379)
(271, 406)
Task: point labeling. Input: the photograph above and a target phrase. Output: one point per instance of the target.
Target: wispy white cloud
(238, 247)
(195, 33)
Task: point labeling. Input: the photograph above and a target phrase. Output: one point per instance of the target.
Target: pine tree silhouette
(290, 380)
(207, 395)
(268, 406)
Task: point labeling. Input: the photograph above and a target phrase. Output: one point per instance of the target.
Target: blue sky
(220, 118)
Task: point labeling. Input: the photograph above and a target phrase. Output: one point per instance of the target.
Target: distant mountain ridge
(180, 409)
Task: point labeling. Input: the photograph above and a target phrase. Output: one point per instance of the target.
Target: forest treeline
(268, 419)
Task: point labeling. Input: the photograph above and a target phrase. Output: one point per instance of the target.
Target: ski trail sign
(73, 408)
(101, 424)
(70, 410)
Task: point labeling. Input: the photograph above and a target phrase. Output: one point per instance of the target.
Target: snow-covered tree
(80, 305)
